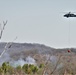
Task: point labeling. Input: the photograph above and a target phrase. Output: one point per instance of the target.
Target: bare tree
(51, 72)
(2, 29)
(56, 65)
(8, 45)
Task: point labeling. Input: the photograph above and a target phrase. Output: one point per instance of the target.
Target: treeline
(41, 69)
(7, 69)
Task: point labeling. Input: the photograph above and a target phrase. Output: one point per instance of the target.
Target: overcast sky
(39, 21)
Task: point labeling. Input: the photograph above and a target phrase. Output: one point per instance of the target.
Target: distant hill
(18, 50)
(27, 47)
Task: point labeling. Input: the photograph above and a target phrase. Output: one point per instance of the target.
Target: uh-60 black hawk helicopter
(69, 15)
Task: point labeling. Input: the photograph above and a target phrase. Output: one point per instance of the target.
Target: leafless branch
(4, 24)
(8, 45)
(56, 65)
(45, 68)
(46, 63)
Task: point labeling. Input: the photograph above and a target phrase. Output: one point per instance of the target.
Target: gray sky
(39, 21)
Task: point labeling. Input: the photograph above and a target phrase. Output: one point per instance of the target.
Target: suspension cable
(69, 40)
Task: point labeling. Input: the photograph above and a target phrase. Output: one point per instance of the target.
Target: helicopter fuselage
(69, 15)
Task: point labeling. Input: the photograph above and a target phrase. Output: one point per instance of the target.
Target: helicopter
(69, 15)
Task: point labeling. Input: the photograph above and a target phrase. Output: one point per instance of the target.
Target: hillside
(25, 49)
(20, 48)
(28, 53)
